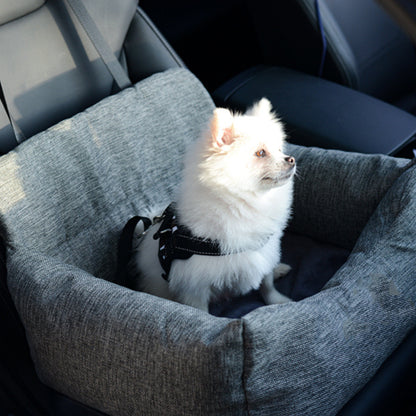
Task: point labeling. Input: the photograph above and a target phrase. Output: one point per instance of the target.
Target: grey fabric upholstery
(67, 193)
(350, 187)
(88, 174)
(124, 352)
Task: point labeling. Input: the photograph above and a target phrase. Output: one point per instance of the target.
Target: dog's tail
(125, 249)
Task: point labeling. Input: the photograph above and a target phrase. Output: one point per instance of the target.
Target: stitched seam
(243, 374)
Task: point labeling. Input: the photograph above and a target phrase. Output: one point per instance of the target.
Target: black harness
(177, 242)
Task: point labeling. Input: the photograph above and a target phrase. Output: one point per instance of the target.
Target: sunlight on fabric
(63, 126)
(11, 189)
(95, 136)
(66, 126)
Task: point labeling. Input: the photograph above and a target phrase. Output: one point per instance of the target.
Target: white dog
(233, 203)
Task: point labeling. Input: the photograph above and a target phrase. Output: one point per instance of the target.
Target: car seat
(66, 73)
(43, 247)
(351, 42)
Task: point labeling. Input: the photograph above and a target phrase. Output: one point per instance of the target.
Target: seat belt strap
(107, 55)
(18, 134)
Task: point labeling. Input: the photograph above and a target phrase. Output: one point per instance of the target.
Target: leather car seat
(49, 68)
(357, 42)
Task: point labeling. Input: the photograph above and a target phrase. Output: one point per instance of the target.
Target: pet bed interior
(66, 194)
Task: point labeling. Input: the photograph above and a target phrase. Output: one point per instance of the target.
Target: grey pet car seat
(126, 352)
(65, 195)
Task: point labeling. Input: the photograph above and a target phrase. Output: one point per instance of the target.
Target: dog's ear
(262, 108)
(222, 131)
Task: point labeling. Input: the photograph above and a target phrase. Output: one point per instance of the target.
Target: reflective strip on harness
(177, 242)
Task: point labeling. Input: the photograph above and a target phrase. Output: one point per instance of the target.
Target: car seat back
(50, 70)
(356, 40)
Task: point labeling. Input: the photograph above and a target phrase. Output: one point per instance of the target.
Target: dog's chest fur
(236, 190)
(251, 231)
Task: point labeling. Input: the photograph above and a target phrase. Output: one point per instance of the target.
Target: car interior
(341, 75)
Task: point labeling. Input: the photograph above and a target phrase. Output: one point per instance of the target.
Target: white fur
(232, 195)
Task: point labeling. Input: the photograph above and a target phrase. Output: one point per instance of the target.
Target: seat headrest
(12, 10)
(57, 73)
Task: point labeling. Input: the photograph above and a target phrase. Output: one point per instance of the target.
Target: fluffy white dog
(232, 207)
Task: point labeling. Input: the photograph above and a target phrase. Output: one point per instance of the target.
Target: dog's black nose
(290, 159)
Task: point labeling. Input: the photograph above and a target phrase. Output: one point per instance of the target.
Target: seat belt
(107, 55)
(100, 44)
(18, 134)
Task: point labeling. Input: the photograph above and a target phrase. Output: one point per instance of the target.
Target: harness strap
(125, 250)
(177, 242)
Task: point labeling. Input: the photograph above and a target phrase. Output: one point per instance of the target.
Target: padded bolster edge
(11, 10)
(336, 207)
(120, 351)
(130, 128)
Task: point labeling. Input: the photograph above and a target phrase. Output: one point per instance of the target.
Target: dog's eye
(261, 153)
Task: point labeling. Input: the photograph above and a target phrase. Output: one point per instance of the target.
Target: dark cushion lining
(313, 264)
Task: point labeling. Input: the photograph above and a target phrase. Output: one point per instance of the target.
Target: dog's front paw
(269, 293)
(273, 297)
(281, 270)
